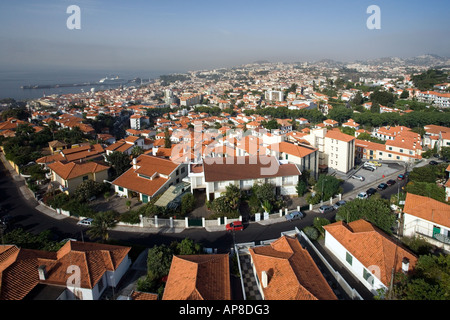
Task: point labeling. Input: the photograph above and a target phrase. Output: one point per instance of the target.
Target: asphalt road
(28, 218)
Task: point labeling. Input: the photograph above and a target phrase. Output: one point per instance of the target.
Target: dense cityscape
(308, 180)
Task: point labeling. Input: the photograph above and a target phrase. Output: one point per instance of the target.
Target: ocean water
(11, 82)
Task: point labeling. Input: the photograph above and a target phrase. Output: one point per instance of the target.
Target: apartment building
(336, 149)
(273, 95)
(305, 157)
(399, 149)
(436, 136)
(441, 100)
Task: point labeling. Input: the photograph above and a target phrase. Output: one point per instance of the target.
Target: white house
(149, 177)
(215, 174)
(77, 271)
(367, 253)
(427, 218)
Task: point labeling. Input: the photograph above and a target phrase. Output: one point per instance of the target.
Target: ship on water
(113, 80)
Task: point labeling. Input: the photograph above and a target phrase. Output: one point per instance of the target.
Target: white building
(368, 253)
(215, 174)
(427, 218)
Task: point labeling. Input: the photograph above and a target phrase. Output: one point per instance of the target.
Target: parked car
(362, 195)
(85, 222)
(382, 186)
(360, 178)
(235, 226)
(325, 209)
(294, 215)
(339, 204)
(401, 177)
(433, 163)
(371, 191)
(369, 168)
(375, 163)
(391, 182)
(369, 164)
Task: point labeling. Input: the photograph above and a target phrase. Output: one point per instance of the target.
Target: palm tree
(137, 151)
(102, 223)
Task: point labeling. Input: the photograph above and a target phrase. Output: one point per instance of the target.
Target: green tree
(159, 261)
(119, 161)
(319, 222)
(187, 247)
(167, 142)
(328, 186)
(430, 280)
(102, 222)
(187, 203)
(376, 211)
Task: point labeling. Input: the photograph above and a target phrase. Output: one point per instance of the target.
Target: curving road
(26, 216)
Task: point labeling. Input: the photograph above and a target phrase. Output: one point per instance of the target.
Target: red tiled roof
(199, 277)
(427, 209)
(19, 267)
(292, 273)
(72, 170)
(371, 247)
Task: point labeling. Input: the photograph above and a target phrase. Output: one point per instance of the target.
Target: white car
(363, 195)
(360, 178)
(370, 165)
(85, 222)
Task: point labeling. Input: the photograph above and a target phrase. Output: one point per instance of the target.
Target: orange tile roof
(292, 149)
(338, 135)
(147, 166)
(427, 209)
(199, 277)
(72, 169)
(371, 247)
(292, 273)
(19, 267)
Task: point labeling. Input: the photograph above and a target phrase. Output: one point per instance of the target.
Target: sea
(12, 81)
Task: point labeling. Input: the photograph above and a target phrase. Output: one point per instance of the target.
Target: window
(390, 148)
(368, 276)
(85, 178)
(349, 258)
(401, 150)
(286, 157)
(390, 155)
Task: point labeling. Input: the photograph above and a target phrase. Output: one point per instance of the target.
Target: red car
(236, 226)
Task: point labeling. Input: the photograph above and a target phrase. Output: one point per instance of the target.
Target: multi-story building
(441, 100)
(336, 149)
(272, 95)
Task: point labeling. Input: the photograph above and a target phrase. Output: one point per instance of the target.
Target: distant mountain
(430, 60)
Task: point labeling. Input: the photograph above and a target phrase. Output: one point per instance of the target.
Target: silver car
(294, 215)
(325, 209)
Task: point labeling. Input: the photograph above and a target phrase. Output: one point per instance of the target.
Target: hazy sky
(191, 35)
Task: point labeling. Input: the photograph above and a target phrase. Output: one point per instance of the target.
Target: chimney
(264, 279)
(42, 272)
(405, 265)
(135, 163)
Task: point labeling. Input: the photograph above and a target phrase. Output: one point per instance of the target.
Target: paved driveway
(376, 177)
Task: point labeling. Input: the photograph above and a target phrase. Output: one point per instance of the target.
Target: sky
(180, 35)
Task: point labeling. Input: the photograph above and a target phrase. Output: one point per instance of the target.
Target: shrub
(311, 232)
